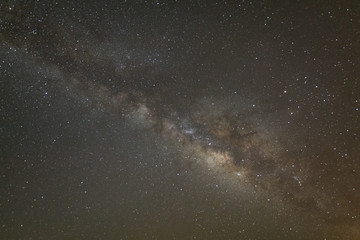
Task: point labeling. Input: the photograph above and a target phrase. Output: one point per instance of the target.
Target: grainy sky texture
(180, 120)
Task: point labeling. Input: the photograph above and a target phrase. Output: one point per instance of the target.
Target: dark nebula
(180, 120)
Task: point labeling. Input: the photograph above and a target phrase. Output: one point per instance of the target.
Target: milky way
(239, 98)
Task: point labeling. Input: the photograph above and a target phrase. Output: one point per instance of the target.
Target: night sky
(180, 120)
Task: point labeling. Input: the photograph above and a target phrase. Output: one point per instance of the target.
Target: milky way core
(190, 120)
